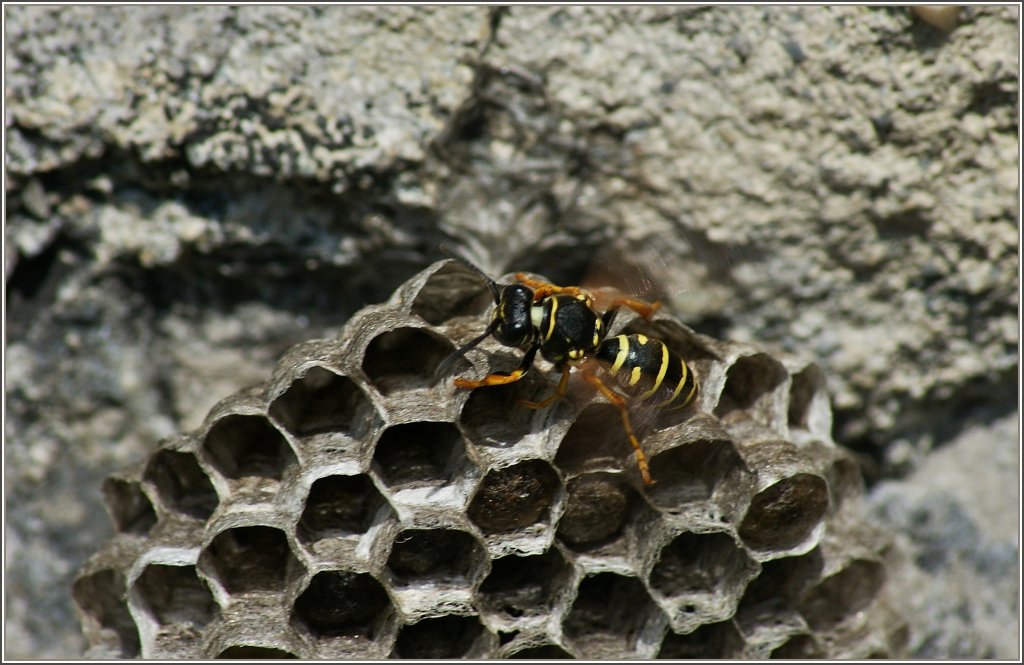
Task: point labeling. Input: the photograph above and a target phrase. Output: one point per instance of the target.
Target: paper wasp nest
(351, 506)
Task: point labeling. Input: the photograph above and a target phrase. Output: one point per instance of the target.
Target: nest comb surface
(352, 506)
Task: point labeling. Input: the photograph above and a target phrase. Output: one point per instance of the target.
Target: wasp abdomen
(647, 367)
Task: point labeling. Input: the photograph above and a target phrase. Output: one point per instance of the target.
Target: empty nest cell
(181, 483)
(842, 594)
(418, 453)
(100, 596)
(435, 555)
(691, 471)
(341, 603)
(339, 506)
(439, 637)
(252, 652)
(702, 564)
(597, 440)
(807, 384)
(404, 359)
(541, 652)
(712, 640)
(175, 595)
(320, 402)
(247, 446)
(520, 586)
(514, 497)
(451, 292)
(749, 385)
(250, 558)
(492, 416)
(130, 508)
(608, 616)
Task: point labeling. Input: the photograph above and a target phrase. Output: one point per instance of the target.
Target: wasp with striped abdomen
(569, 327)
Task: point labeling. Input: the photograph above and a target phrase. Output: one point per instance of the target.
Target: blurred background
(192, 190)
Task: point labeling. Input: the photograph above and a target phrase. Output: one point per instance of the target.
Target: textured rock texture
(190, 191)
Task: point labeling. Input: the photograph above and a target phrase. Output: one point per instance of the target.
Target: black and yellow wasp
(564, 324)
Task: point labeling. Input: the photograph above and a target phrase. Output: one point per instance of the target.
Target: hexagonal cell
(524, 585)
(608, 616)
(597, 440)
(798, 647)
(784, 514)
(542, 652)
(251, 652)
(181, 483)
(691, 471)
(130, 508)
(713, 640)
(435, 555)
(451, 292)
(340, 603)
(441, 637)
(245, 446)
(493, 418)
(703, 573)
(844, 482)
(405, 359)
(321, 402)
(339, 506)
(749, 385)
(250, 558)
(596, 508)
(842, 594)
(175, 595)
(807, 384)
(514, 497)
(100, 596)
(422, 453)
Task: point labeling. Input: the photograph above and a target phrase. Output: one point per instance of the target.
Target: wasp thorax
(512, 314)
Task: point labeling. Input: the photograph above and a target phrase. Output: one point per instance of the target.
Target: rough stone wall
(192, 190)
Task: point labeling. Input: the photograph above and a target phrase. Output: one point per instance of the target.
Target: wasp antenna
(491, 284)
(447, 363)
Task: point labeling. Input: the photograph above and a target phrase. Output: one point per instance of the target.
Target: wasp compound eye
(327, 514)
(513, 315)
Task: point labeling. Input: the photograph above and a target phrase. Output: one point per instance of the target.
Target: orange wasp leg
(643, 308)
(542, 290)
(620, 402)
(501, 378)
(560, 392)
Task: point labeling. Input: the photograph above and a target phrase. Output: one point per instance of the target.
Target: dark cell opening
(441, 637)
(181, 483)
(415, 453)
(339, 506)
(176, 595)
(341, 603)
(251, 558)
(130, 508)
(240, 445)
(322, 401)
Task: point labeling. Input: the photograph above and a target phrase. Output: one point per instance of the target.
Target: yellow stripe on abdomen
(620, 357)
(661, 373)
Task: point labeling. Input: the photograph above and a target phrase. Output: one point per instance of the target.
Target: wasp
(564, 324)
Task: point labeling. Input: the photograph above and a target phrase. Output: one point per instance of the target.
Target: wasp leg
(542, 290)
(501, 378)
(560, 392)
(620, 402)
(641, 307)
